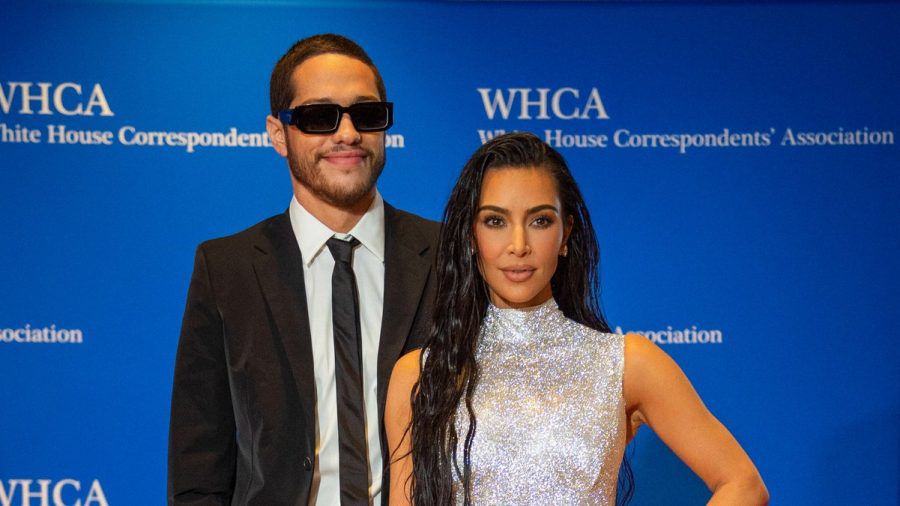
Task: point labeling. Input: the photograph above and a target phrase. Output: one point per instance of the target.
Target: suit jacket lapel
(406, 268)
(279, 269)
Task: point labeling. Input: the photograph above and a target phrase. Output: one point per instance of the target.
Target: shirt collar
(312, 234)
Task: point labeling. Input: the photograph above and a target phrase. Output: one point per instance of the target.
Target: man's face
(340, 168)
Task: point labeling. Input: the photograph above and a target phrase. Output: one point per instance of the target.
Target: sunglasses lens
(371, 116)
(317, 118)
(326, 118)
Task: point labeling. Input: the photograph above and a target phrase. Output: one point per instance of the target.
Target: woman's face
(519, 235)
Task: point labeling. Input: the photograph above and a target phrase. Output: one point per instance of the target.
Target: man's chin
(345, 188)
(347, 199)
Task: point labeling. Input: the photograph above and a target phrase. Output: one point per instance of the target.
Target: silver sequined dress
(549, 410)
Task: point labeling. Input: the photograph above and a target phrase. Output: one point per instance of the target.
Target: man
(292, 326)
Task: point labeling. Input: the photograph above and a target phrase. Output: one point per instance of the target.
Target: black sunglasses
(326, 118)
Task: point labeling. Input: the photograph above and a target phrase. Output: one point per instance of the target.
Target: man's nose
(346, 132)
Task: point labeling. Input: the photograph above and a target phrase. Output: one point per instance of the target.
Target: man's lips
(345, 158)
(518, 273)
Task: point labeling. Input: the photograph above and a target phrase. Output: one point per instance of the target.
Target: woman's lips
(518, 274)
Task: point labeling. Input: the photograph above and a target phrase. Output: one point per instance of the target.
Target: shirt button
(307, 464)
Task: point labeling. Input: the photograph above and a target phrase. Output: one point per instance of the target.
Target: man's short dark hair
(281, 89)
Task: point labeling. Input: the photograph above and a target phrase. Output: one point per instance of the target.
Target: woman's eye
(493, 221)
(543, 221)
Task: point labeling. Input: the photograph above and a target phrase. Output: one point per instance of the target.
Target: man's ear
(275, 128)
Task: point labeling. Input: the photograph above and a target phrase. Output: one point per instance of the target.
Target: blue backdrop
(739, 160)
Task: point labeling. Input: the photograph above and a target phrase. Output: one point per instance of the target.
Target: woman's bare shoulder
(642, 353)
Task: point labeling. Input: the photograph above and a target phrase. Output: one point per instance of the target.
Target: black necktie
(354, 462)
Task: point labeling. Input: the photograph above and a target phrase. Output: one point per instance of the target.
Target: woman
(521, 394)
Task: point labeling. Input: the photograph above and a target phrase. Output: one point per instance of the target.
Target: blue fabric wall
(739, 160)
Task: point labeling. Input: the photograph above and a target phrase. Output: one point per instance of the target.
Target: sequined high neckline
(517, 325)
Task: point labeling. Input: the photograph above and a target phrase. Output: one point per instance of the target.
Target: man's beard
(310, 175)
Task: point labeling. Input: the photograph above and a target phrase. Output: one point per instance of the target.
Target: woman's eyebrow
(543, 207)
(535, 209)
(496, 209)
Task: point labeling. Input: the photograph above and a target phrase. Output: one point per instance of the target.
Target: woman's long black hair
(450, 372)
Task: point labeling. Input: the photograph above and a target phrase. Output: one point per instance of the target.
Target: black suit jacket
(243, 421)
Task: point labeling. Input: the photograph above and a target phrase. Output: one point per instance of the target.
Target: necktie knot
(341, 250)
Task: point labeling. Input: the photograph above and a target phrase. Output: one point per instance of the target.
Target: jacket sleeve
(202, 448)
(421, 326)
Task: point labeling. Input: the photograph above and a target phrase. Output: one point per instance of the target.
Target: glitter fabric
(549, 411)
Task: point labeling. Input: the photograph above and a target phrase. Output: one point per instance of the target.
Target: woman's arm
(657, 392)
(397, 415)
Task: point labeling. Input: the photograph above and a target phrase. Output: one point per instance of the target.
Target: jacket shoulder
(239, 242)
(405, 220)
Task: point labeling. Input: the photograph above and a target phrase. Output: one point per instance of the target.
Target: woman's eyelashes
(543, 221)
(497, 221)
(493, 221)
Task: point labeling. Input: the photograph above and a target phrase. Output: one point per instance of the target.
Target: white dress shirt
(368, 267)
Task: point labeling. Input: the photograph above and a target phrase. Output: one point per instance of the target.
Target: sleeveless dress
(550, 414)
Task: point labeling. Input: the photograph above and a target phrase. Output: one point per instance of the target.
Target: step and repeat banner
(740, 161)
